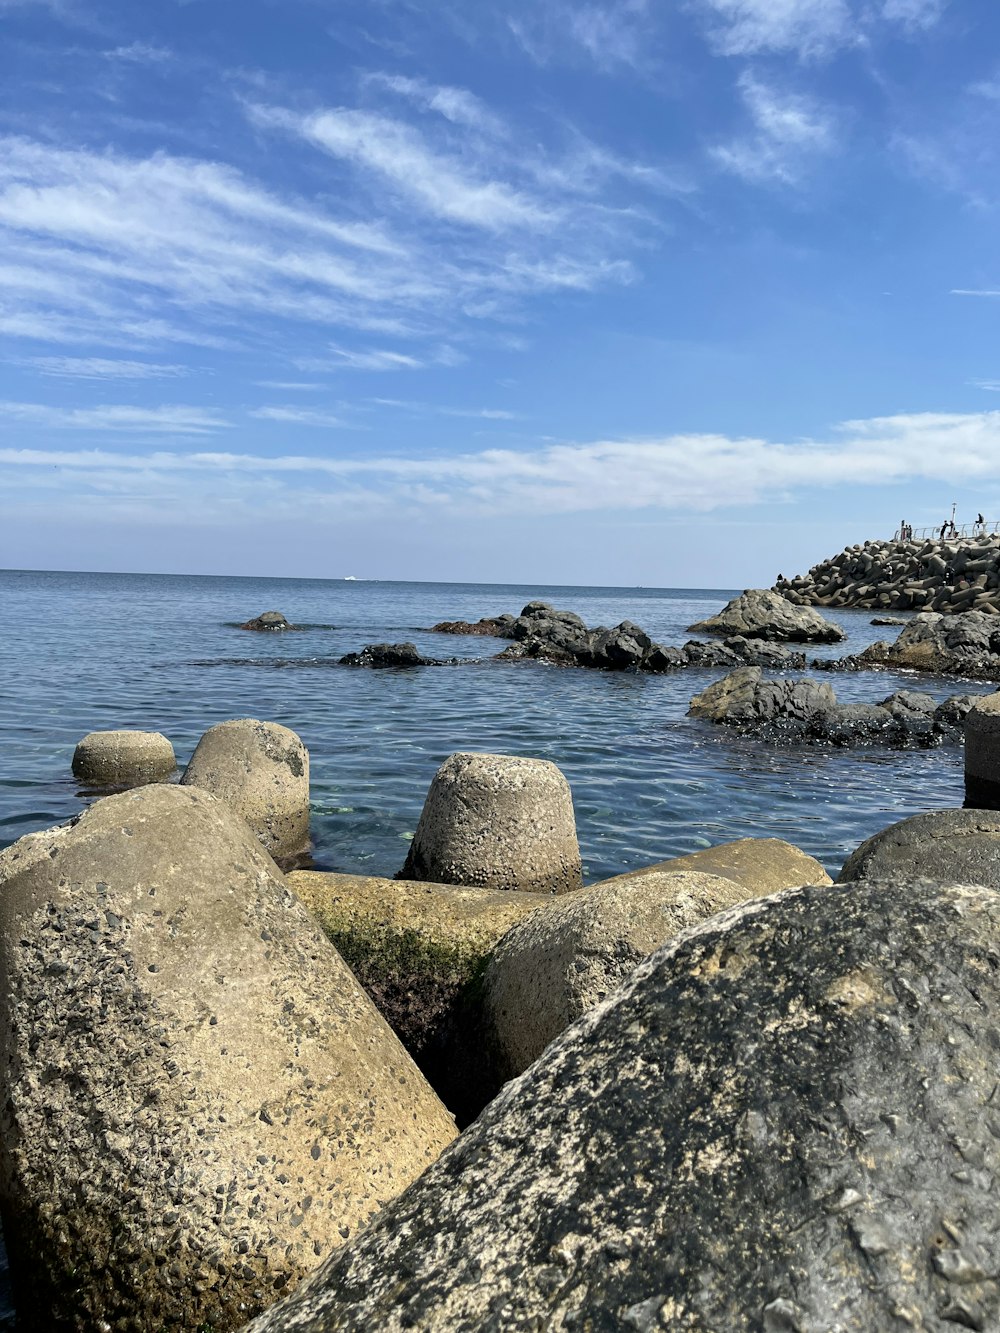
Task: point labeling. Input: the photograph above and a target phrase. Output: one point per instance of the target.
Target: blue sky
(615, 292)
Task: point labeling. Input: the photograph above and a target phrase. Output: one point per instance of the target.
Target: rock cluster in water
(958, 575)
(944, 645)
(807, 710)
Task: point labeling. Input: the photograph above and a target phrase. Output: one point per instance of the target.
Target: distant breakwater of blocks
(961, 574)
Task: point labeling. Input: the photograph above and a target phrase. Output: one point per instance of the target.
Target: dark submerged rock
(946, 845)
(267, 622)
(495, 627)
(387, 655)
(784, 1121)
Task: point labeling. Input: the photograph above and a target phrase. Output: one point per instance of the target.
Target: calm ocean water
(86, 652)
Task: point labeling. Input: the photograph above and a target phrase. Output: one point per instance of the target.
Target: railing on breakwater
(948, 532)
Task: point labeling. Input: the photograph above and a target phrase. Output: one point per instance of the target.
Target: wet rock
(887, 620)
(784, 1120)
(805, 710)
(946, 845)
(199, 1101)
(267, 622)
(982, 754)
(760, 614)
(387, 655)
(416, 948)
(559, 962)
(261, 769)
(123, 758)
(966, 645)
(496, 627)
(497, 822)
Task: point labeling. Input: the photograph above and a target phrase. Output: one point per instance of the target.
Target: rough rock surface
(945, 845)
(762, 865)
(267, 622)
(497, 822)
(759, 614)
(982, 754)
(806, 710)
(261, 769)
(786, 1120)
(561, 961)
(415, 947)
(387, 655)
(123, 758)
(494, 627)
(955, 575)
(967, 645)
(199, 1101)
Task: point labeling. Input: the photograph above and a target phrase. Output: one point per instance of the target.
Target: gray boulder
(945, 845)
(785, 1120)
(559, 962)
(198, 1099)
(380, 655)
(123, 758)
(965, 645)
(497, 822)
(761, 614)
(261, 769)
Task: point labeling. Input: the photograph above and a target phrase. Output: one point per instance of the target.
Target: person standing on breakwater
(980, 524)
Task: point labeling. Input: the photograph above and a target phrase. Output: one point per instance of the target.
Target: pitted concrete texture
(497, 822)
(982, 753)
(762, 865)
(261, 769)
(123, 758)
(786, 1120)
(198, 1100)
(946, 845)
(561, 961)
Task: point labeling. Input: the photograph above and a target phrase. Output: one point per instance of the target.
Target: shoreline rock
(807, 711)
(938, 644)
(761, 614)
(268, 622)
(382, 656)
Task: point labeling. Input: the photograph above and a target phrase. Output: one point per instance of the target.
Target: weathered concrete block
(198, 1099)
(499, 822)
(123, 758)
(261, 769)
(784, 1120)
(982, 754)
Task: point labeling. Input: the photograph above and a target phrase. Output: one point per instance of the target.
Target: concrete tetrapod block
(123, 758)
(561, 961)
(762, 865)
(783, 1121)
(261, 769)
(198, 1099)
(982, 754)
(418, 948)
(498, 822)
(946, 845)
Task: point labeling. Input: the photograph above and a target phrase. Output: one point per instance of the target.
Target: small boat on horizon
(349, 578)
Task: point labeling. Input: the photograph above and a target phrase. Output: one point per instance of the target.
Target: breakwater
(947, 576)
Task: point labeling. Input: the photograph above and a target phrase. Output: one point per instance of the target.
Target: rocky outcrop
(949, 576)
(123, 758)
(198, 1100)
(381, 655)
(559, 962)
(806, 710)
(784, 1121)
(946, 845)
(497, 821)
(494, 627)
(268, 622)
(416, 948)
(261, 769)
(758, 614)
(982, 754)
(967, 645)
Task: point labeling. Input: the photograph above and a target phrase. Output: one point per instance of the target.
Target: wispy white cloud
(299, 416)
(789, 130)
(140, 53)
(808, 29)
(173, 419)
(611, 34)
(974, 291)
(915, 14)
(347, 358)
(288, 385)
(476, 413)
(458, 105)
(440, 183)
(98, 368)
(677, 473)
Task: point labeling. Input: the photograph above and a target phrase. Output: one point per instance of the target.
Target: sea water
(91, 652)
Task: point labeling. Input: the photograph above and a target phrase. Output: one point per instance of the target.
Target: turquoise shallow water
(85, 652)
